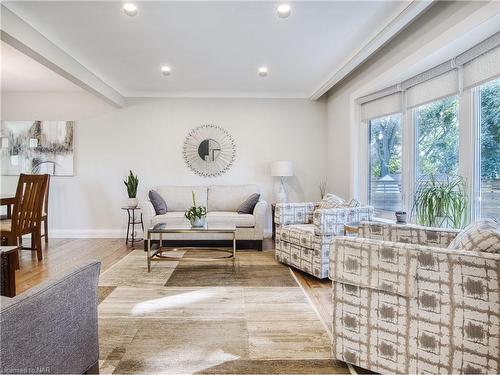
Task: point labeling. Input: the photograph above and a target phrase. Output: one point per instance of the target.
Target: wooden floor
(62, 254)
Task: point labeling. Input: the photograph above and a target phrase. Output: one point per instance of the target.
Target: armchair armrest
(259, 213)
(408, 233)
(148, 212)
(330, 221)
(53, 326)
(294, 213)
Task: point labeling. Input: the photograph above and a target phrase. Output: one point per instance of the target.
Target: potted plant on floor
(441, 203)
(131, 183)
(196, 215)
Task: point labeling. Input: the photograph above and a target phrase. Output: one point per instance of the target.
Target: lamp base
(281, 194)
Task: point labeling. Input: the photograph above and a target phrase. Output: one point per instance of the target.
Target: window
(437, 139)
(489, 150)
(384, 191)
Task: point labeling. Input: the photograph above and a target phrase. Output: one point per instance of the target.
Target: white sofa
(221, 202)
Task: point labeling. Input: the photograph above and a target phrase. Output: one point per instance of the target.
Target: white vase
(198, 222)
(132, 202)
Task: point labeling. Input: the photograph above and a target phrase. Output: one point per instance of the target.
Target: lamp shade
(282, 168)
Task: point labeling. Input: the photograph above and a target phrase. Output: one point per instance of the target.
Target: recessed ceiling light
(263, 71)
(130, 9)
(284, 10)
(165, 70)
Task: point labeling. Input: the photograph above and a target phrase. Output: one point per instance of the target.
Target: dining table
(8, 200)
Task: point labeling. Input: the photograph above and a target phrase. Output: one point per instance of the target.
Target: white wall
(147, 137)
(431, 39)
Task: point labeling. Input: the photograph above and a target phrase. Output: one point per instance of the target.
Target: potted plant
(441, 203)
(196, 215)
(131, 183)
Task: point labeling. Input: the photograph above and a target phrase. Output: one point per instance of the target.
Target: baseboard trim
(102, 233)
(87, 233)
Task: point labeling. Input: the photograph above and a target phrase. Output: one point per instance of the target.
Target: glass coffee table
(156, 251)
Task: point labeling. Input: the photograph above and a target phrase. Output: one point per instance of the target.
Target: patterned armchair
(404, 303)
(304, 232)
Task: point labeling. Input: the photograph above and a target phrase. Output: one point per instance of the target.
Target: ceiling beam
(398, 24)
(22, 36)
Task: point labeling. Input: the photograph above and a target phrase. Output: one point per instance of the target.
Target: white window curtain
(483, 68)
(384, 106)
(433, 89)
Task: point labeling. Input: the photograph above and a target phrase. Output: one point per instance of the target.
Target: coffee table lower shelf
(155, 250)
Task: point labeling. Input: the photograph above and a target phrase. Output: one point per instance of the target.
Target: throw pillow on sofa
(483, 235)
(158, 202)
(249, 204)
(332, 201)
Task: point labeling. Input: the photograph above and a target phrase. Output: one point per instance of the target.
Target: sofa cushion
(171, 219)
(229, 198)
(249, 204)
(221, 218)
(158, 202)
(179, 198)
(298, 234)
(483, 235)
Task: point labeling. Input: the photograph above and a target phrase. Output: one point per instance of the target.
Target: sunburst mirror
(209, 150)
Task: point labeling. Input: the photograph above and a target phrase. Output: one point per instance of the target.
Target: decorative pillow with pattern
(332, 201)
(483, 235)
(354, 203)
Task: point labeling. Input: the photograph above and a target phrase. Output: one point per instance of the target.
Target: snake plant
(131, 183)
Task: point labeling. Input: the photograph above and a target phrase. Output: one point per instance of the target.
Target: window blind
(433, 89)
(383, 106)
(475, 66)
(481, 69)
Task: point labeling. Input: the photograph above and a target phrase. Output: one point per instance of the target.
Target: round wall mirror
(209, 150)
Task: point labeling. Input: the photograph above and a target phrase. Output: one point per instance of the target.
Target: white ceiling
(213, 48)
(21, 73)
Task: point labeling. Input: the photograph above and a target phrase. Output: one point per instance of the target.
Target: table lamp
(282, 169)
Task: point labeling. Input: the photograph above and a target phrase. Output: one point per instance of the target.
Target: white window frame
(469, 152)
(364, 162)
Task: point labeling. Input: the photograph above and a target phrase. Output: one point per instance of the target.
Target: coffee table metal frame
(157, 252)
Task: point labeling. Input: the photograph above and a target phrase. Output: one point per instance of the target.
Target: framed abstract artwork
(37, 147)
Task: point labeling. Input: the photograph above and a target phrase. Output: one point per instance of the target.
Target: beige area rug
(247, 316)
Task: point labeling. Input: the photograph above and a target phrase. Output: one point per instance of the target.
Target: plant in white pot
(131, 183)
(196, 214)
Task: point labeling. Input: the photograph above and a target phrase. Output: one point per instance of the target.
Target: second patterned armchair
(304, 233)
(406, 303)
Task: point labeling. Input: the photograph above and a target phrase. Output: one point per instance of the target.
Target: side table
(9, 259)
(351, 229)
(133, 221)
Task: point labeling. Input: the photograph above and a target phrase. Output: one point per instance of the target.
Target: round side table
(133, 221)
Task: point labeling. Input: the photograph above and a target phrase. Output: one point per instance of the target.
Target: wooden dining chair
(45, 212)
(27, 212)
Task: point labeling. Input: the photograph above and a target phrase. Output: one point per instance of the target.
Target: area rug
(247, 316)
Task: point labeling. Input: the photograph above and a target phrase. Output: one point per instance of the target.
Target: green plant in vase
(132, 182)
(196, 214)
(441, 203)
